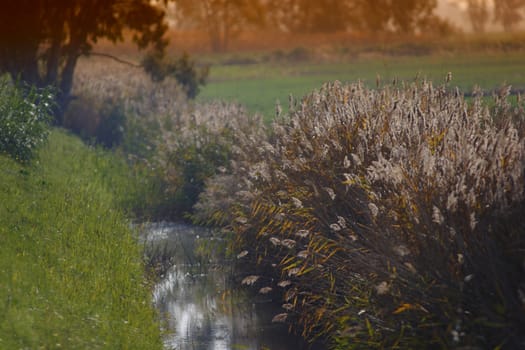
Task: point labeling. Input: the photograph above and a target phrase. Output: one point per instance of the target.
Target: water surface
(200, 308)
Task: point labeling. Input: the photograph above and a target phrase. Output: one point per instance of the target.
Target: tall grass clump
(25, 114)
(71, 272)
(385, 218)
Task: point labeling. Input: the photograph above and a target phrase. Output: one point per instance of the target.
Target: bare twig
(119, 60)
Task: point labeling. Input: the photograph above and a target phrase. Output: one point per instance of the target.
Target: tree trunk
(53, 62)
(66, 84)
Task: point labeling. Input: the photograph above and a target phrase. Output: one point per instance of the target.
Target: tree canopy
(222, 19)
(311, 16)
(41, 40)
(478, 13)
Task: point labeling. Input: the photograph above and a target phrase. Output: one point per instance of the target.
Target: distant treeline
(225, 19)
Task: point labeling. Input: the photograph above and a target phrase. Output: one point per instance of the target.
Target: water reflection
(200, 310)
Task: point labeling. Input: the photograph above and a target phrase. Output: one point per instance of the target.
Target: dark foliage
(25, 114)
(183, 69)
(41, 41)
(110, 130)
(199, 145)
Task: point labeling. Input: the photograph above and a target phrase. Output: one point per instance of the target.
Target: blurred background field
(259, 85)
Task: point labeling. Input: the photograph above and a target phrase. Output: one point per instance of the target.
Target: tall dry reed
(387, 217)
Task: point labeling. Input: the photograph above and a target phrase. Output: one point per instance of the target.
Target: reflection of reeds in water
(158, 258)
(176, 248)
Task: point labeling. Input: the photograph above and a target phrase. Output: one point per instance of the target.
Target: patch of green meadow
(71, 271)
(258, 86)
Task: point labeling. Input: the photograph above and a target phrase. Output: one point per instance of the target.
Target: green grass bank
(71, 272)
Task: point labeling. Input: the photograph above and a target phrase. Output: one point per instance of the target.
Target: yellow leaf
(403, 308)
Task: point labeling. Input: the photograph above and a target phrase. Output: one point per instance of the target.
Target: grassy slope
(70, 271)
(258, 86)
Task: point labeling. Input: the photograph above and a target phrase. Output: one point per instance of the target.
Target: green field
(259, 86)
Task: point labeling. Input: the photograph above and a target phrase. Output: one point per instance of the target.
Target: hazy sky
(453, 10)
(463, 3)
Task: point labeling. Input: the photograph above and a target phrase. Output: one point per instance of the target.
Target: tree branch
(119, 60)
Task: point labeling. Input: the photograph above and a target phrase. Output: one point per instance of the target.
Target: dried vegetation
(118, 104)
(175, 143)
(384, 218)
(199, 144)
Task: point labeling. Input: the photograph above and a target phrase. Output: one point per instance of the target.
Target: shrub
(25, 114)
(183, 69)
(299, 54)
(198, 145)
(386, 218)
(110, 130)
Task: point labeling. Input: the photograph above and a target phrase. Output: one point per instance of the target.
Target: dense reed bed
(384, 218)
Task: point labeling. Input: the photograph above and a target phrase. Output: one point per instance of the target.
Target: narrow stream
(200, 309)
